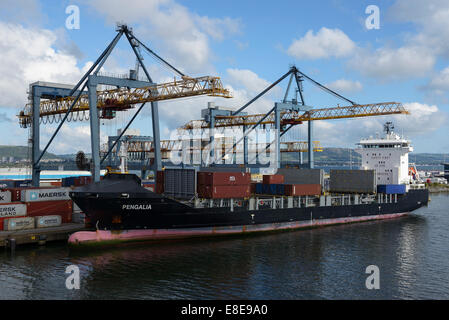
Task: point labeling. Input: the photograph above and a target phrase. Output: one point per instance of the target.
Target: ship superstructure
(388, 156)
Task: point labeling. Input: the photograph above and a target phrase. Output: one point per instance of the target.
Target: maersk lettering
(52, 194)
(7, 211)
(136, 207)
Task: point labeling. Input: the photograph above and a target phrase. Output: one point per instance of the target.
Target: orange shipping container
(302, 189)
(273, 179)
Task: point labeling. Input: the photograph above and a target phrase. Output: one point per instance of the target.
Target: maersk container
(48, 221)
(353, 181)
(15, 224)
(223, 178)
(302, 176)
(391, 188)
(35, 195)
(273, 179)
(5, 196)
(8, 210)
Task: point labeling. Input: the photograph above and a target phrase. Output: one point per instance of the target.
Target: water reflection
(326, 263)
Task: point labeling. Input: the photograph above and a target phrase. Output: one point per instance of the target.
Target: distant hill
(339, 156)
(21, 153)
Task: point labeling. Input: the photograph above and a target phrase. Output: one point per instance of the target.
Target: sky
(249, 44)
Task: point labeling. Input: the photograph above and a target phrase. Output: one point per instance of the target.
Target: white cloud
(177, 33)
(325, 43)
(388, 63)
(432, 19)
(247, 79)
(31, 56)
(343, 85)
(439, 83)
(70, 139)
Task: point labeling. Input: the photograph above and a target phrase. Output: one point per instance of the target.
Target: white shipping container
(48, 221)
(15, 224)
(5, 196)
(32, 195)
(13, 210)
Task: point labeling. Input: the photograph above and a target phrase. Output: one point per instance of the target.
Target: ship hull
(138, 214)
(104, 237)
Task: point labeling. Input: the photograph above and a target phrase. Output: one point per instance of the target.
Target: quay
(39, 235)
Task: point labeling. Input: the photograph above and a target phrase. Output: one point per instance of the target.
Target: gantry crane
(61, 103)
(286, 114)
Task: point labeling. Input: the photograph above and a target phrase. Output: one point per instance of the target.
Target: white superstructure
(388, 156)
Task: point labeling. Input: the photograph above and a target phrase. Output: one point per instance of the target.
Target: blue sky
(249, 44)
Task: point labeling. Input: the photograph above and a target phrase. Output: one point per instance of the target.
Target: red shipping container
(64, 208)
(252, 188)
(15, 194)
(302, 189)
(223, 192)
(160, 182)
(223, 178)
(273, 179)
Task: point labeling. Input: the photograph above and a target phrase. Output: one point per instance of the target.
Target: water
(326, 263)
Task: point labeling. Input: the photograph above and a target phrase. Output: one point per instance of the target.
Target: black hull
(127, 206)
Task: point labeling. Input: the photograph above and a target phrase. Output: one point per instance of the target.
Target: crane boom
(124, 98)
(297, 117)
(139, 147)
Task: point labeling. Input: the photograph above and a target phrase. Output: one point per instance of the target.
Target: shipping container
(8, 210)
(45, 208)
(3, 219)
(353, 181)
(252, 188)
(302, 189)
(5, 196)
(41, 194)
(180, 182)
(15, 194)
(223, 192)
(68, 181)
(6, 184)
(82, 180)
(391, 188)
(302, 176)
(48, 221)
(223, 178)
(15, 224)
(160, 182)
(22, 183)
(273, 179)
(259, 188)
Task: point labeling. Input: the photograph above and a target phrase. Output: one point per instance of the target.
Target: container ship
(187, 202)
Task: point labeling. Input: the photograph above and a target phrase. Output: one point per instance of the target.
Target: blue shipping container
(68, 181)
(280, 189)
(259, 188)
(391, 188)
(6, 184)
(22, 183)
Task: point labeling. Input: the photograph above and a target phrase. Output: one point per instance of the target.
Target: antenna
(388, 127)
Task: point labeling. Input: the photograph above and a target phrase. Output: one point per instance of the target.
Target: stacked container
(25, 208)
(223, 185)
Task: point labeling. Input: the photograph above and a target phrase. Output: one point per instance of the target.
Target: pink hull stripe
(100, 236)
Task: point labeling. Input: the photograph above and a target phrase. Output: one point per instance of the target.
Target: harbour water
(325, 263)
